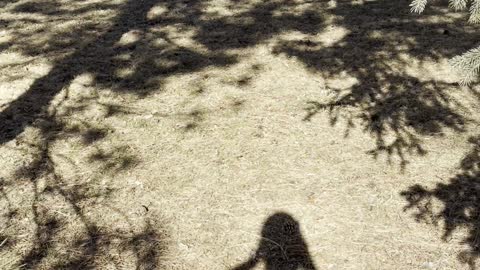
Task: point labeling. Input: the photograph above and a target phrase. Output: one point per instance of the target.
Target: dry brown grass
(149, 134)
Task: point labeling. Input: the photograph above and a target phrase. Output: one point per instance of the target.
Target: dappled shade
(383, 39)
(389, 99)
(134, 53)
(102, 55)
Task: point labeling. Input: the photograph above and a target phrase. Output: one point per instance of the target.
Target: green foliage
(467, 64)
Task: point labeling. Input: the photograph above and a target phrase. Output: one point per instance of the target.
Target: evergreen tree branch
(468, 65)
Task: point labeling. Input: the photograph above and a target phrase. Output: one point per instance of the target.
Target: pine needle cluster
(467, 64)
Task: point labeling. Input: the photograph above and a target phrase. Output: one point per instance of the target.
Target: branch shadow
(257, 24)
(90, 245)
(104, 56)
(135, 46)
(460, 199)
(382, 38)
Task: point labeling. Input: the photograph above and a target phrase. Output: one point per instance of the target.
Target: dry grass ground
(283, 134)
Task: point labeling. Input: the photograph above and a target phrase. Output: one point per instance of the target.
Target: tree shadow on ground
(460, 200)
(100, 57)
(133, 42)
(136, 45)
(383, 38)
(134, 53)
(257, 24)
(60, 209)
(281, 247)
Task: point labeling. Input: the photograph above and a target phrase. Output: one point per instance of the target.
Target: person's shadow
(281, 246)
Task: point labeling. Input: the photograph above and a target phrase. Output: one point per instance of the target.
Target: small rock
(428, 265)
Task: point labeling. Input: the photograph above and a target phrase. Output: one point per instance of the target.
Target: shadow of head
(281, 247)
(280, 226)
